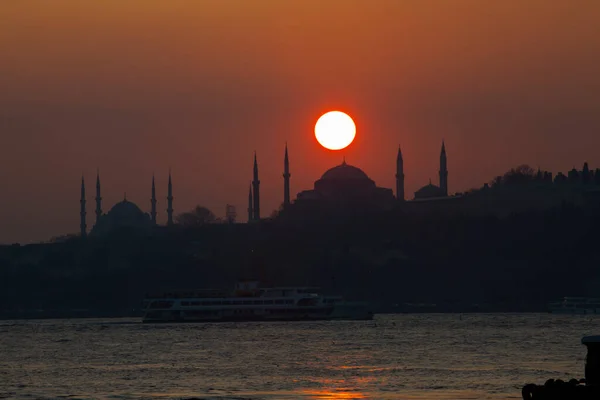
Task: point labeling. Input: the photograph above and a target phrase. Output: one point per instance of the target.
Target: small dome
(345, 172)
(429, 191)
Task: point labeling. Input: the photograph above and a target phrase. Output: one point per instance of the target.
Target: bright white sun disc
(335, 130)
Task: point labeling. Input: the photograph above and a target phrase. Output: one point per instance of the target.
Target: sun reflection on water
(348, 388)
(333, 394)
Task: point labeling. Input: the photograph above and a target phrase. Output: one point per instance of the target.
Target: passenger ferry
(575, 305)
(250, 302)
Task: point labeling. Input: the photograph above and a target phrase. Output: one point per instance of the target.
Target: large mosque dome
(345, 172)
(123, 215)
(345, 184)
(126, 210)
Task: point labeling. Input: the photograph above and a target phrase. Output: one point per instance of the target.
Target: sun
(335, 130)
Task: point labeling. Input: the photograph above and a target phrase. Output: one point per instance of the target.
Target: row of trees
(524, 174)
(197, 217)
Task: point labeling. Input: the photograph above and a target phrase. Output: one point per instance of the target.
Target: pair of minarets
(254, 193)
(98, 212)
(400, 173)
(169, 202)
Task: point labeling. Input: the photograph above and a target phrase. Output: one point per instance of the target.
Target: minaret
(443, 171)
(98, 198)
(250, 209)
(153, 203)
(286, 179)
(399, 176)
(256, 192)
(82, 213)
(170, 202)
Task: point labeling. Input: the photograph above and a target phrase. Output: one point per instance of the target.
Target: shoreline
(43, 315)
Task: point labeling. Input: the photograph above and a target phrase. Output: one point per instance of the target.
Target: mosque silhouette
(341, 183)
(346, 182)
(124, 214)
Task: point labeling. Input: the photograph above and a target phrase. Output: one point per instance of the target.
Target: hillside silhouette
(396, 260)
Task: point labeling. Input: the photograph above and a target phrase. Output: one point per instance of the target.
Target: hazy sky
(135, 87)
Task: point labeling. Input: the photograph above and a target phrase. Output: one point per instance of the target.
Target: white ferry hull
(179, 319)
(249, 302)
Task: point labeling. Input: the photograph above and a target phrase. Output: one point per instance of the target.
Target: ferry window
(226, 303)
(205, 303)
(278, 301)
(258, 302)
(289, 302)
(247, 301)
(268, 301)
(237, 302)
(216, 303)
(185, 303)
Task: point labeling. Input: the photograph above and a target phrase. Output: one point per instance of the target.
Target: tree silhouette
(521, 174)
(196, 217)
(585, 173)
(497, 181)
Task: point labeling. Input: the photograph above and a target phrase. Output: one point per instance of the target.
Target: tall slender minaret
(399, 176)
(286, 178)
(250, 209)
(256, 192)
(153, 203)
(98, 198)
(170, 202)
(443, 171)
(82, 213)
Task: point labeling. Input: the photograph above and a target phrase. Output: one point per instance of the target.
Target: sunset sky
(135, 87)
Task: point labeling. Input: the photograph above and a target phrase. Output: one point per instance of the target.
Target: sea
(402, 356)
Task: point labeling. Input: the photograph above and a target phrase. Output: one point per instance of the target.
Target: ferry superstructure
(250, 302)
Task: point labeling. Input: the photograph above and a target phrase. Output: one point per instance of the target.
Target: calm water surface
(414, 356)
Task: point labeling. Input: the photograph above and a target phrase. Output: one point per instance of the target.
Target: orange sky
(140, 86)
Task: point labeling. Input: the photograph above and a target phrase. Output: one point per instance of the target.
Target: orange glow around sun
(335, 130)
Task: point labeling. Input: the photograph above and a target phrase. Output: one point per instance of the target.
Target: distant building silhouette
(230, 214)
